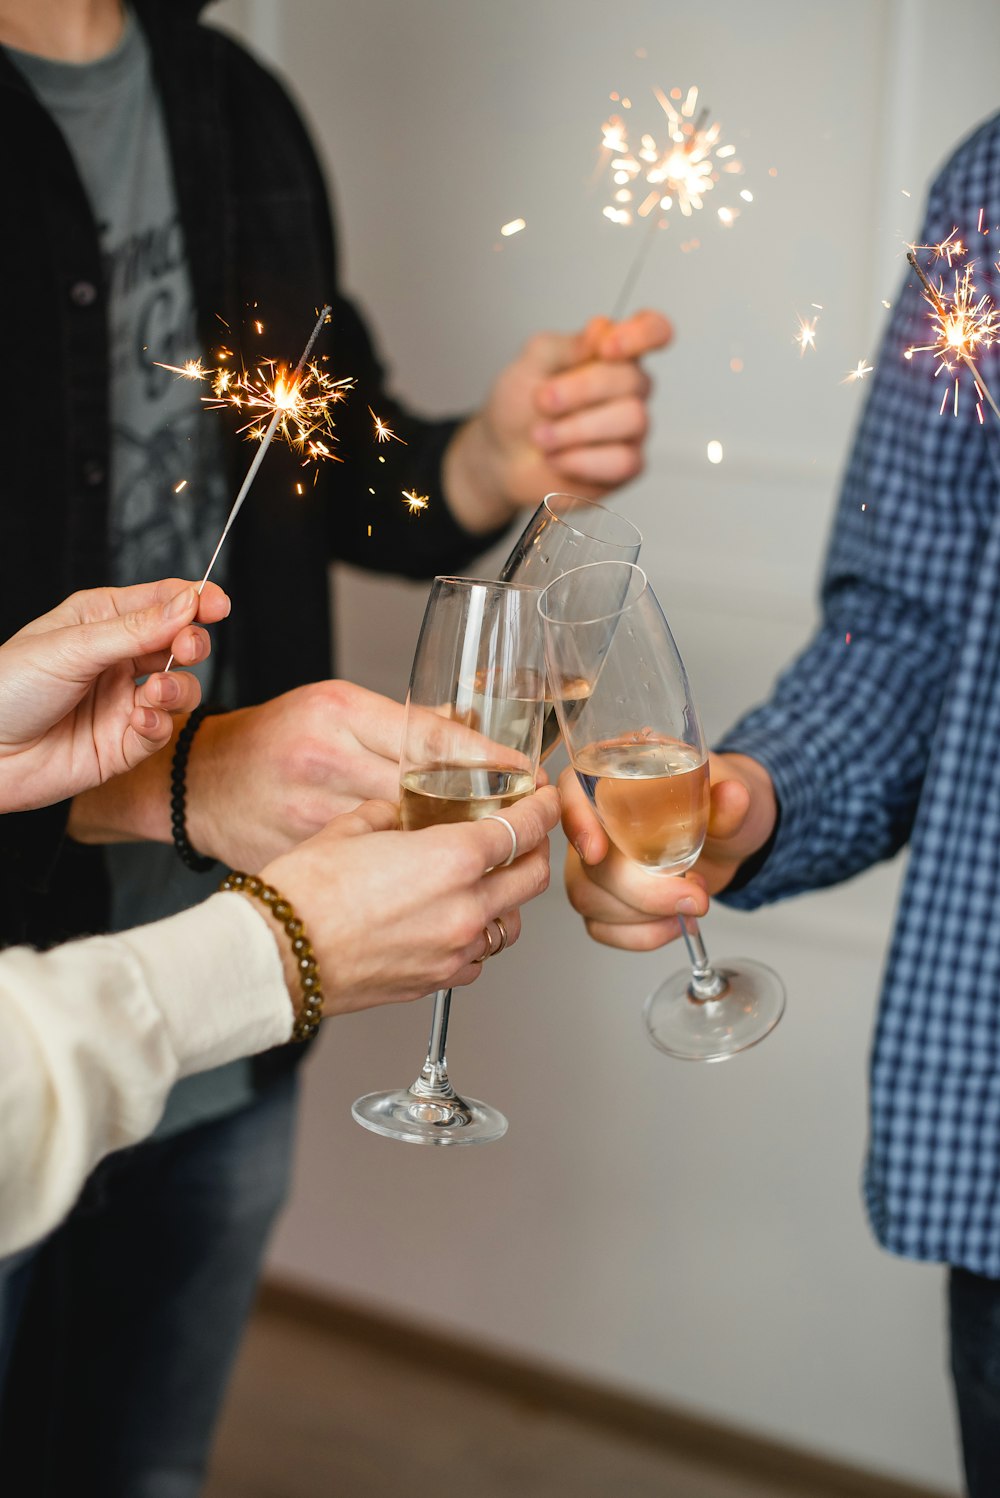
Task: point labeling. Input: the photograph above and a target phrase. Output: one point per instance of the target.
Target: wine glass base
(693, 1029)
(407, 1116)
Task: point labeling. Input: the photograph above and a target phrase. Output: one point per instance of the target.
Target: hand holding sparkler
(571, 411)
(71, 715)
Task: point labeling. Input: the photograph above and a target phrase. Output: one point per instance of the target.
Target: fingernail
(168, 689)
(148, 720)
(550, 398)
(543, 434)
(687, 906)
(180, 604)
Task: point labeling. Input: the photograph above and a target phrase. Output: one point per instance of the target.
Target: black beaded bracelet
(308, 1020)
(198, 862)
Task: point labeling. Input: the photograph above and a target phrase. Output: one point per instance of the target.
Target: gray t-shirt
(161, 433)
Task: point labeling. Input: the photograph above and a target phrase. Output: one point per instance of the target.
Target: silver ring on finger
(492, 816)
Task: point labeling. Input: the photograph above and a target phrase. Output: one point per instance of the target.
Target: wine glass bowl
(567, 531)
(636, 745)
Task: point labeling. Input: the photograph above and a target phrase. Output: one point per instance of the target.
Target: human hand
(624, 906)
(261, 779)
(571, 411)
(393, 915)
(71, 715)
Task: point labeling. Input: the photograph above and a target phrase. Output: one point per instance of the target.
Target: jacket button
(83, 293)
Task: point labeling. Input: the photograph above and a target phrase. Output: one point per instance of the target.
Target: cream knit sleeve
(94, 1034)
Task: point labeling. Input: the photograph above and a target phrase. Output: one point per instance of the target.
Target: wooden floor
(313, 1415)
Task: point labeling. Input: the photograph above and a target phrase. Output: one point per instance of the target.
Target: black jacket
(258, 230)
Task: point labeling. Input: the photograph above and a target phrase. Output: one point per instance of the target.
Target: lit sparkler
(964, 325)
(654, 178)
(295, 413)
(297, 404)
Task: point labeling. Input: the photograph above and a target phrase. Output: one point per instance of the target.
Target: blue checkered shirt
(886, 729)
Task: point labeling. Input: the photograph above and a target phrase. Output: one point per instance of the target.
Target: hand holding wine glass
(636, 746)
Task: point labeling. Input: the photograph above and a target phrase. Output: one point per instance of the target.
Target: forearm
(470, 476)
(93, 1035)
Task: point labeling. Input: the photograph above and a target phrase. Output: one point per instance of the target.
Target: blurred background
(689, 1235)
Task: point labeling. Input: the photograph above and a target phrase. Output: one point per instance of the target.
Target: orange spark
(383, 433)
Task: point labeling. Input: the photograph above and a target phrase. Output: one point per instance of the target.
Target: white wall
(692, 1234)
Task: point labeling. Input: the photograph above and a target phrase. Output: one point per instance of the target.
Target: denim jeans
(118, 1333)
(974, 1305)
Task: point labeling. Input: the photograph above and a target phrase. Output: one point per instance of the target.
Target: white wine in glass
(636, 745)
(471, 740)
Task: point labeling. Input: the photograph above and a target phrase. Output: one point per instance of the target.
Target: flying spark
(383, 433)
(863, 368)
(415, 502)
(806, 336)
(951, 248)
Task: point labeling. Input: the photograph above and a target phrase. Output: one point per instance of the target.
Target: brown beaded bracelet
(308, 1021)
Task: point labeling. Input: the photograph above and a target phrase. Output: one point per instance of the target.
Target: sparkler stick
(959, 327)
(258, 457)
(638, 261)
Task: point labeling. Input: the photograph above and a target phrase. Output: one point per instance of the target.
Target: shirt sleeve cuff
(765, 875)
(216, 977)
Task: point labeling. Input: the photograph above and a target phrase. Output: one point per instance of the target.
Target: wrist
(198, 863)
(202, 792)
(762, 816)
(306, 990)
(130, 808)
(471, 474)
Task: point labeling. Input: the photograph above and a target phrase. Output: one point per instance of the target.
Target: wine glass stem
(705, 983)
(433, 1079)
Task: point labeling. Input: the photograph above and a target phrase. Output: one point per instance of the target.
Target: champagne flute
(636, 745)
(471, 740)
(565, 532)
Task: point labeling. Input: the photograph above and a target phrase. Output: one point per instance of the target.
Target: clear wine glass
(471, 741)
(636, 745)
(565, 532)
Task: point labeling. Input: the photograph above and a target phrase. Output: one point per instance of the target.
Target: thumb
(551, 353)
(579, 820)
(370, 816)
(88, 649)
